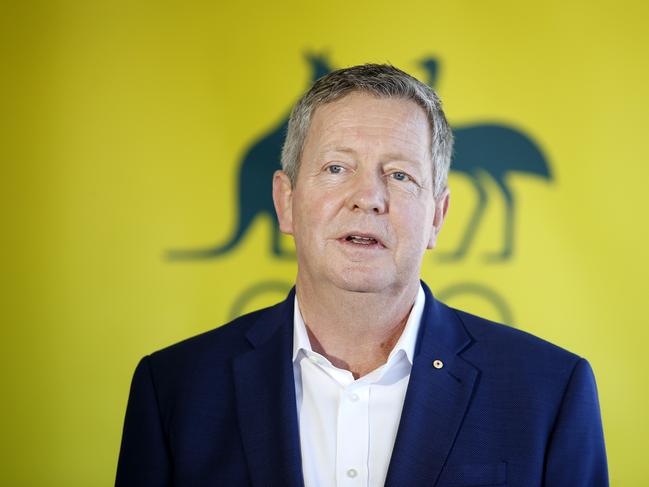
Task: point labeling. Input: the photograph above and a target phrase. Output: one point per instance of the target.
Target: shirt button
(314, 359)
(351, 473)
(353, 397)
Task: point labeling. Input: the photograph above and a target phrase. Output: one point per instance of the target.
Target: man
(361, 377)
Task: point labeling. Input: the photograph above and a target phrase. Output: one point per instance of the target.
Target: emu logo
(491, 149)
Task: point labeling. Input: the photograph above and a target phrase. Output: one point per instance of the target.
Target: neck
(355, 331)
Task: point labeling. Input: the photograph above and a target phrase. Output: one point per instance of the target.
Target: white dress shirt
(348, 426)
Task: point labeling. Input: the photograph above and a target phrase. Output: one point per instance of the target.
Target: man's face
(362, 211)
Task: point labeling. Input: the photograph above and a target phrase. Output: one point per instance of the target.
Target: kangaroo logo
(494, 150)
(255, 191)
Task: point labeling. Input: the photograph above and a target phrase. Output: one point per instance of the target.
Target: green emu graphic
(490, 149)
(497, 151)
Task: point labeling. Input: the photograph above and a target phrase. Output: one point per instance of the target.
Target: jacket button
(438, 364)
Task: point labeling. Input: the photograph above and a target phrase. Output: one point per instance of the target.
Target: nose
(368, 193)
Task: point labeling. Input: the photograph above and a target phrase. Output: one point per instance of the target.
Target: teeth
(361, 240)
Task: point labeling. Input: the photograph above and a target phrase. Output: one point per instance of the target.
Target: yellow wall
(123, 128)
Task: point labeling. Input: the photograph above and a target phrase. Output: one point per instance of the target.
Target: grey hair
(380, 80)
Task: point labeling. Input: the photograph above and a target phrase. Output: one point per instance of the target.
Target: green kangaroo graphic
(255, 195)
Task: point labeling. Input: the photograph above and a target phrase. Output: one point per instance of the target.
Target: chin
(361, 282)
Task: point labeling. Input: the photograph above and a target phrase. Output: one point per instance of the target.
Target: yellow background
(123, 126)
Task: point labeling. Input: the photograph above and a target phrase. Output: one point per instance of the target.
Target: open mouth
(357, 239)
(360, 240)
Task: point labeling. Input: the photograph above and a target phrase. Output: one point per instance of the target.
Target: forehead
(366, 122)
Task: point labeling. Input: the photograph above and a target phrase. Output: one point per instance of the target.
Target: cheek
(311, 217)
(412, 223)
(322, 206)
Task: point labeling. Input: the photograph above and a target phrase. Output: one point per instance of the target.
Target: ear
(283, 200)
(441, 208)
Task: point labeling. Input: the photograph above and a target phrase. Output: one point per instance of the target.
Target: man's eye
(334, 169)
(401, 176)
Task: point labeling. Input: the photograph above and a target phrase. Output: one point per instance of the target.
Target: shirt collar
(406, 342)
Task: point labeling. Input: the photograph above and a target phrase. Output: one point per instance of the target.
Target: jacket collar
(265, 394)
(438, 396)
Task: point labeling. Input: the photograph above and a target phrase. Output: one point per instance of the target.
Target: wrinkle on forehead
(360, 124)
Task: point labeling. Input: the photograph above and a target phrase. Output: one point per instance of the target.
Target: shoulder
(515, 352)
(520, 371)
(207, 354)
(500, 336)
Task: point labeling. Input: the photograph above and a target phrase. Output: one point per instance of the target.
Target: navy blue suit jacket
(506, 409)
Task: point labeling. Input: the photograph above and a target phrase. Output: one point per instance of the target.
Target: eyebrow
(344, 150)
(391, 156)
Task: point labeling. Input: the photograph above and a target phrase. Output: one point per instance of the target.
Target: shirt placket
(352, 445)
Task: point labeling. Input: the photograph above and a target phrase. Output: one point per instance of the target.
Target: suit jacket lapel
(436, 400)
(265, 392)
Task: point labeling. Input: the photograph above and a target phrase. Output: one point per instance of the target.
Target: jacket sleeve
(144, 458)
(576, 456)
